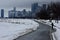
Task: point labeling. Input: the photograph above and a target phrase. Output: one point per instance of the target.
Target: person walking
(52, 26)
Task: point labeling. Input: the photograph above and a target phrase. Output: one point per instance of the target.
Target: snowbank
(10, 31)
(56, 35)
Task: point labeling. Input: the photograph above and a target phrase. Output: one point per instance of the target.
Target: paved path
(42, 33)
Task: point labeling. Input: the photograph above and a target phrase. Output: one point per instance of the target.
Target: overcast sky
(20, 3)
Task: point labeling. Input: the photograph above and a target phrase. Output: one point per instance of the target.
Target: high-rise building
(2, 13)
(24, 12)
(14, 8)
(44, 6)
(34, 7)
(12, 13)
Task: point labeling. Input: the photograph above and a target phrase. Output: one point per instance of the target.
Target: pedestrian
(52, 26)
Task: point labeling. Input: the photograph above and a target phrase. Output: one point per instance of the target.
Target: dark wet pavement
(42, 33)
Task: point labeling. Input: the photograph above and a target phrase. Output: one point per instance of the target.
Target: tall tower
(44, 6)
(34, 7)
(2, 13)
(14, 8)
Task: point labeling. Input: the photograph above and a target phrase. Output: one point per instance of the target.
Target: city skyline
(19, 4)
(7, 9)
(34, 9)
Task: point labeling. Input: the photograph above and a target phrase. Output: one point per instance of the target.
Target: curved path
(42, 33)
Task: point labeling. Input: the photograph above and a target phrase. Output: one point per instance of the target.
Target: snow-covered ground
(12, 28)
(56, 35)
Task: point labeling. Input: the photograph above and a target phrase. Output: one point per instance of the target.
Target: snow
(12, 28)
(56, 35)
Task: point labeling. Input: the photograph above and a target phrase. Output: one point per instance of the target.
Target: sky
(19, 4)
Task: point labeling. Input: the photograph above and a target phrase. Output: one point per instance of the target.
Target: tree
(43, 14)
(55, 8)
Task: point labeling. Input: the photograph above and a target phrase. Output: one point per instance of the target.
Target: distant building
(24, 13)
(44, 6)
(29, 14)
(11, 13)
(14, 13)
(14, 9)
(2, 13)
(34, 7)
(17, 14)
